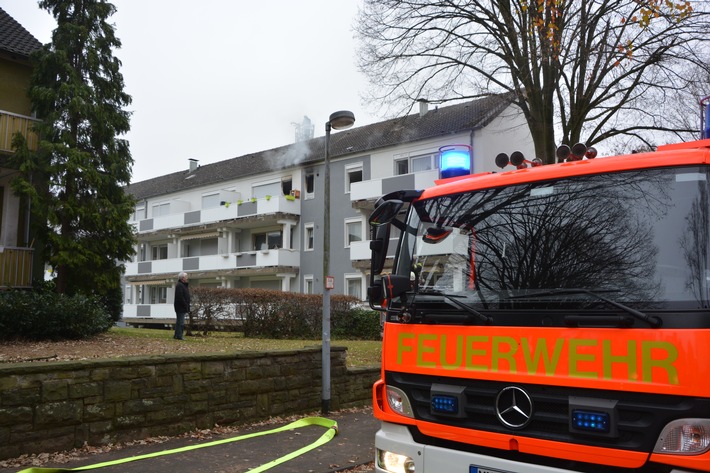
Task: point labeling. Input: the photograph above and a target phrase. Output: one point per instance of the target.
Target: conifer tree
(76, 179)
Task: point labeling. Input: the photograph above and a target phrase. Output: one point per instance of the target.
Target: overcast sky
(217, 79)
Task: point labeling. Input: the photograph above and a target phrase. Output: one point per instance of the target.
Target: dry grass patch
(120, 342)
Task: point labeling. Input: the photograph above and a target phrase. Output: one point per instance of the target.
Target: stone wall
(47, 407)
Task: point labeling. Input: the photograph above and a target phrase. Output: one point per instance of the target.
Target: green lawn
(360, 352)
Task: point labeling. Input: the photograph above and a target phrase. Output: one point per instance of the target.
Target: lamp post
(337, 121)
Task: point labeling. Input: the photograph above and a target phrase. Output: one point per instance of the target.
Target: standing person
(181, 304)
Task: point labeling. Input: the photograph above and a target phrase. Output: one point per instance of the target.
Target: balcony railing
(360, 250)
(163, 312)
(376, 188)
(15, 267)
(232, 211)
(10, 123)
(245, 260)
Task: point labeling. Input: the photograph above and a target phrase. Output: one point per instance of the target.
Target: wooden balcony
(10, 123)
(15, 267)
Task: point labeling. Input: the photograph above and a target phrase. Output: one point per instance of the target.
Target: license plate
(479, 469)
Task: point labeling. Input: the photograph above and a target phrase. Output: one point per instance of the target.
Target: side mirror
(379, 243)
(380, 225)
(385, 212)
(385, 288)
(375, 294)
(395, 285)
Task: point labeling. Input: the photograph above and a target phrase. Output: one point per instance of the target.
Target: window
(210, 201)
(200, 247)
(308, 284)
(159, 252)
(352, 174)
(142, 291)
(310, 184)
(401, 166)
(262, 190)
(158, 295)
(209, 246)
(308, 237)
(267, 240)
(413, 164)
(286, 186)
(353, 231)
(353, 285)
(423, 163)
(161, 209)
(139, 214)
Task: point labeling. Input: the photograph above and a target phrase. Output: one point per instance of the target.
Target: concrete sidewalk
(353, 446)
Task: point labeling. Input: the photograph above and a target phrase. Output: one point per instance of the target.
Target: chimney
(193, 164)
(423, 107)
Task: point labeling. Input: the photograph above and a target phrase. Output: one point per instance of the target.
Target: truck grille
(639, 418)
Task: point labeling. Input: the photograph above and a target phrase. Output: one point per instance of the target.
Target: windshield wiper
(458, 304)
(651, 320)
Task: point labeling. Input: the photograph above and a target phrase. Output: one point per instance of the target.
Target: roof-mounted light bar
(455, 160)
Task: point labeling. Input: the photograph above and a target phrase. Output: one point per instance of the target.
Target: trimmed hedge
(262, 313)
(45, 315)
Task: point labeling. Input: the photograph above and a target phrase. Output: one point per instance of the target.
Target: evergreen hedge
(43, 314)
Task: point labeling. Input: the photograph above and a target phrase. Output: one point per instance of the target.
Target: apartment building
(255, 221)
(17, 262)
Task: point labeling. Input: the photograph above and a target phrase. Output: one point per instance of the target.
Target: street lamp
(338, 121)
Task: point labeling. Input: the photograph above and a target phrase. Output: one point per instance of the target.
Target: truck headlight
(399, 402)
(684, 437)
(394, 462)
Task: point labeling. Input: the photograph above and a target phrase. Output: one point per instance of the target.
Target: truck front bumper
(396, 439)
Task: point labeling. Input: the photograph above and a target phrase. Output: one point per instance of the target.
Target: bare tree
(590, 69)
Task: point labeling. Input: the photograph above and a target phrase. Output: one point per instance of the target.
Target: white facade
(263, 230)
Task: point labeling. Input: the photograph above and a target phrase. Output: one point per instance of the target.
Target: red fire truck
(547, 318)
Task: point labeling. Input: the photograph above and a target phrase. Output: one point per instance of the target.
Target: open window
(353, 174)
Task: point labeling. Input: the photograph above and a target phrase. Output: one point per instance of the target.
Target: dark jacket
(182, 298)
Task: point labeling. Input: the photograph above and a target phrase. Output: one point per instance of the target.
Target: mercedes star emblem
(514, 407)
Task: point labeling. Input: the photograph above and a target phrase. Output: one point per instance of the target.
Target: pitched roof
(15, 39)
(438, 122)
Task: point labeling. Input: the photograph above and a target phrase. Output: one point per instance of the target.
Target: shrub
(210, 308)
(262, 313)
(43, 314)
(357, 324)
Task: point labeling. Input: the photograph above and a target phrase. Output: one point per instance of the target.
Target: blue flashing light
(444, 404)
(455, 160)
(591, 421)
(707, 121)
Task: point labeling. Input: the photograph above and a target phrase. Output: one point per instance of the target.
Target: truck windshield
(638, 238)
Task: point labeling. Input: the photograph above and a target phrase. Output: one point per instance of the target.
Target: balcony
(10, 123)
(229, 211)
(233, 263)
(360, 250)
(15, 267)
(148, 313)
(375, 188)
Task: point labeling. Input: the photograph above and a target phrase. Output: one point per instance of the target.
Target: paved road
(354, 445)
